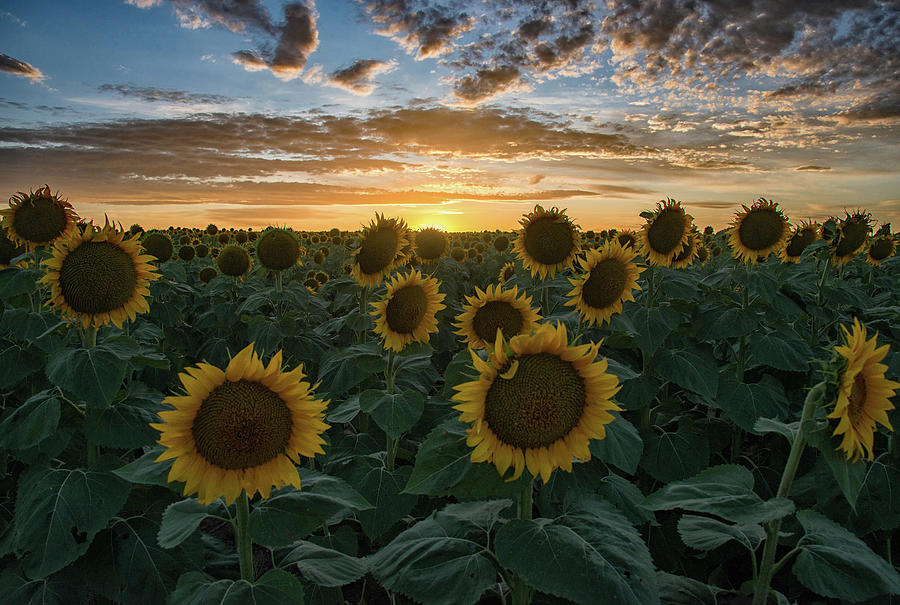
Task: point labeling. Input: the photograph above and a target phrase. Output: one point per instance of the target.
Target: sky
(457, 114)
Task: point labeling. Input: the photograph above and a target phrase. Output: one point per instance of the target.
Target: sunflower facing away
(850, 236)
(538, 403)
(609, 279)
(38, 218)
(882, 247)
(241, 428)
(689, 252)
(804, 234)
(758, 231)
(492, 310)
(407, 313)
(863, 393)
(548, 241)
(382, 247)
(99, 277)
(665, 233)
(431, 244)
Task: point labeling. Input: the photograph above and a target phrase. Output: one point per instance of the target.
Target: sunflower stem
(363, 296)
(242, 538)
(89, 337)
(520, 591)
(767, 568)
(279, 281)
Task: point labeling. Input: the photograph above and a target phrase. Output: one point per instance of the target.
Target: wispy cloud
(160, 95)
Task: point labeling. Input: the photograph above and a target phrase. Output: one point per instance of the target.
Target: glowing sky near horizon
(457, 114)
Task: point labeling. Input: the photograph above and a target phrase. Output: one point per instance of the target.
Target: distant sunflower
(688, 253)
(407, 313)
(758, 231)
(882, 247)
(38, 218)
(628, 239)
(99, 277)
(610, 278)
(537, 403)
(495, 309)
(804, 234)
(9, 250)
(278, 249)
(243, 428)
(233, 261)
(665, 233)
(158, 245)
(381, 248)
(431, 244)
(548, 241)
(506, 272)
(863, 393)
(850, 236)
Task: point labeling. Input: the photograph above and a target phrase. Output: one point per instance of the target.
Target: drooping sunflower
(863, 392)
(665, 233)
(381, 248)
(99, 277)
(431, 244)
(882, 247)
(233, 261)
(688, 253)
(278, 249)
(9, 249)
(628, 239)
(548, 241)
(804, 234)
(243, 428)
(850, 236)
(758, 231)
(609, 278)
(495, 309)
(407, 313)
(537, 403)
(38, 218)
(506, 272)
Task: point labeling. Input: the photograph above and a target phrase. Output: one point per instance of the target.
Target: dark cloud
(356, 77)
(20, 68)
(812, 168)
(424, 29)
(159, 95)
(236, 15)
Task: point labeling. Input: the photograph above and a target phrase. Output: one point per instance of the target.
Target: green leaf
(345, 411)
(290, 515)
(622, 447)
(678, 590)
(91, 375)
(395, 413)
(588, 552)
(648, 326)
(715, 324)
(848, 475)
(626, 497)
(783, 350)
(58, 513)
(145, 471)
(834, 563)
(325, 566)
(442, 560)
(672, 455)
(384, 489)
(343, 369)
(45, 591)
(725, 491)
(126, 423)
(693, 369)
(15, 281)
(878, 506)
(744, 404)
(30, 423)
(443, 468)
(705, 533)
(17, 363)
(179, 521)
(770, 425)
(275, 587)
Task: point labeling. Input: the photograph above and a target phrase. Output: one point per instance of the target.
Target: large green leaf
(44, 591)
(714, 324)
(343, 369)
(93, 375)
(30, 423)
(275, 587)
(744, 404)
(17, 363)
(290, 515)
(648, 326)
(179, 521)
(442, 560)
(395, 413)
(443, 468)
(325, 566)
(383, 488)
(671, 455)
(835, 563)
(58, 513)
(878, 506)
(725, 491)
(706, 533)
(849, 475)
(126, 423)
(678, 590)
(622, 447)
(692, 369)
(783, 350)
(145, 470)
(590, 551)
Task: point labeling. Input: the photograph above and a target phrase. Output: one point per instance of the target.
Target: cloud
(21, 68)
(812, 168)
(423, 30)
(159, 95)
(356, 77)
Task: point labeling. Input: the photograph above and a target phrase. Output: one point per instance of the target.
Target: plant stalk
(520, 592)
(242, 540)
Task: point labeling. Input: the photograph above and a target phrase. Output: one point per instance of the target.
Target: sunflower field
(544, 415)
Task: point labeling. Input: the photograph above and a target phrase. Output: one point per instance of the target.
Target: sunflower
(233, 261)
(863, 393)
(407, 313)
(609, 279)
(381, 249)
(758, 231)
(548, 241)
(158, 245)
(501, 243)
(241, 428)
(537, 403)
(628, 239)
(492, 310)
(882, 247)
(688, 253)
(38, 218)
(804, 234)
(431, 244)
(99, 277)
(278, 249)
(850, 236)
(506, 272)
(665, 233)
(9, 250)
